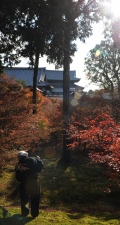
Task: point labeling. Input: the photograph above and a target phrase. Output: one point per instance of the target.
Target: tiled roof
(26, 74)
(60, 90)
(58, 75)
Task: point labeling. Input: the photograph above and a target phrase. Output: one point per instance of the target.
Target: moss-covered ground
(76, 193)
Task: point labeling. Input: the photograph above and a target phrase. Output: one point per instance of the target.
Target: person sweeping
(26, 171)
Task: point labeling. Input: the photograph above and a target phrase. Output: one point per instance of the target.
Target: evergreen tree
(73, 20)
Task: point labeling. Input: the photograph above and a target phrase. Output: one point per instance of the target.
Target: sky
(78, 59)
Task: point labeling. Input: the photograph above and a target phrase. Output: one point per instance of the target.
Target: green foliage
(52, 19)
(102, 64)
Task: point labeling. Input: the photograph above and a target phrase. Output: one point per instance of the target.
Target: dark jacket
(28, 168)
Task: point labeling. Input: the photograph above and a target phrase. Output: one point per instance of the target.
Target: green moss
(70, 194)
(57, 217)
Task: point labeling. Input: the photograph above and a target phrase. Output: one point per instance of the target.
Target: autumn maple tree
(19, 127)
(96, 130)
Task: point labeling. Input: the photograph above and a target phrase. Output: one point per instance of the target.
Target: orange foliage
(19, 127)
(96, 126)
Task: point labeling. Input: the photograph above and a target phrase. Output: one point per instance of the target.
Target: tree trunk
(119, 88)
(35, 83)
(66, 154)
(66, 87)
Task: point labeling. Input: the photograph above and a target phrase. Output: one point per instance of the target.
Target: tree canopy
(102, 64)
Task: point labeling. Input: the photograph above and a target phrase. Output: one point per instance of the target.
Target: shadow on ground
(16, 219)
